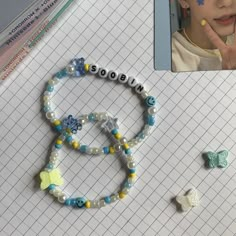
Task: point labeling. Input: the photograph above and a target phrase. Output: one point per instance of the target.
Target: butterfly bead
(189, 200)
(48, 178)
(216, 159)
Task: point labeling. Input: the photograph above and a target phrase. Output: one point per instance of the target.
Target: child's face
(220, 14)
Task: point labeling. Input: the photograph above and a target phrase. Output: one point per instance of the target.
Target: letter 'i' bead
(132, 82)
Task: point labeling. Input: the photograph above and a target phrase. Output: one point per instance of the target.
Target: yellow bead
(132, 175)
(112, 150)
(126, 146)
(59, 141)
(87, 204)
(57, 122)
(121, 195)
(86, 67)
(118, 136)
(75, 144)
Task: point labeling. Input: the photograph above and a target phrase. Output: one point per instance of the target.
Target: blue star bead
(200, 2)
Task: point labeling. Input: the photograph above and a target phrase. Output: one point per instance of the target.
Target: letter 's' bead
(93, 69)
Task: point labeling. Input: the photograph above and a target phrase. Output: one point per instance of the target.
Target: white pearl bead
(130, 159)
(139, 88)
(62, 198)
(55, 154)
(144, 94)
(100, 116)
(52, 191)
(132, 82)
(53, 158)
(46, 99)
(93, 69)
(117, 147)
(89, 151)
(51, 82)
(47, 93)
(56, 80)
(95, 151)
(82, 121)
(50, 115)
(70, 69)
(122, 78)
(112, 75)
(95, 114)
(102, 203)
(104, 116)
(102, 72)
(123, 140)
(131, 164)
(152, 110)
(131, 180)
(125, 190)
(113, 198)
(57, 193)
(93, 204)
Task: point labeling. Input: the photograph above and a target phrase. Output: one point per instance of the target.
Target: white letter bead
(93, 69)
(132, 82)
(112, 75)
(122, 78)
(102, 72)
(139, 88)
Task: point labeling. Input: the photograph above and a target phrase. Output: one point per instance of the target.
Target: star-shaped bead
(110, 124)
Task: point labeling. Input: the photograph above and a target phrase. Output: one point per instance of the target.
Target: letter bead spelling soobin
(69, 126)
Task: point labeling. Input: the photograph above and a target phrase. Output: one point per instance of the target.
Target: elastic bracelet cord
(51, 177)
(77, 68)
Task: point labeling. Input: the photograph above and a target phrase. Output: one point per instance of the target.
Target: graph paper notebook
(196, 114)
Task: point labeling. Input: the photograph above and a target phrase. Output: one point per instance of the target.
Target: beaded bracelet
(51, 178)
(77, 68)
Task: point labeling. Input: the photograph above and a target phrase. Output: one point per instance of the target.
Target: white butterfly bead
(189, 200)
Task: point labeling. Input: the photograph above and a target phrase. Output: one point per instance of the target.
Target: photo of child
(204, 39)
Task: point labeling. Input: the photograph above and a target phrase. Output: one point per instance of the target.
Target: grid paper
(195, 114)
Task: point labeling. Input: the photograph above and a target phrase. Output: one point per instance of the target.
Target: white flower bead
(131, 164)
(112, 75)
(93, 69)
(132, 82)
(50, 115)
(102, 72)
(139, 88)
(122, 78)
(152, 110)
(62, 198)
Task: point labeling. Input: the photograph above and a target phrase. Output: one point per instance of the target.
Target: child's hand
(228, 52)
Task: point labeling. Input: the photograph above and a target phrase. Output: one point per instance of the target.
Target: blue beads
(131, 171)
(49, 166)
(68, 202)
(58, 128)
(50, 88)
(69, 139)
(80, 202)
(127, 185)
(107, 200)
(106, 150)
(73, 201)
(150, 101)
(114, 131)
(150, 120)
(128, 151)
(83, 148)
(61, 74)
(51, 186)
(91, 117)
(58, 146)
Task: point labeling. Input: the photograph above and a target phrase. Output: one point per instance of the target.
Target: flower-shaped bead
(71, 124)
(78, 64)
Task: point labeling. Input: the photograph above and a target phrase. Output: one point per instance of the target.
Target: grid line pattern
(196, 114)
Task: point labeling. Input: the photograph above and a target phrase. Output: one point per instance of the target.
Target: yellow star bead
(75, 144)
(57, 122)
(86, 67)
(118, 136)
(122, 195)
(112, 150)
(87, 204)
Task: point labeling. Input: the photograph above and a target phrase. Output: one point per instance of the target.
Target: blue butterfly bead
(216, 159)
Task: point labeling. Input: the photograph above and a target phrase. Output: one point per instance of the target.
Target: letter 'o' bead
(102, 72)
(112, 75)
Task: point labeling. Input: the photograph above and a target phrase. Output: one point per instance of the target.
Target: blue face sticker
(200, 2)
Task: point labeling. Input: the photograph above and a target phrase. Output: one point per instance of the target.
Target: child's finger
(213, 37)
(235, 33)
